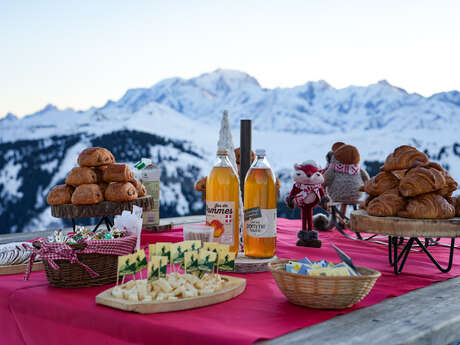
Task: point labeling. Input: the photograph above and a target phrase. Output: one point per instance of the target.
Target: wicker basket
(73, 275)
(322, 292)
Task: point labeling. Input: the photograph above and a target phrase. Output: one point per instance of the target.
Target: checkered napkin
(63, 251)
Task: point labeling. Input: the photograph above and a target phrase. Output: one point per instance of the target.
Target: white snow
(11, 181)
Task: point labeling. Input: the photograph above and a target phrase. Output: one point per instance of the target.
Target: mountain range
(176, 121)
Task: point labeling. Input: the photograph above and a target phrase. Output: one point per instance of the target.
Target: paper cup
(198, 232)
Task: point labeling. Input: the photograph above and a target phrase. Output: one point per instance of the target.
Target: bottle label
(221, 216)
(262, 226)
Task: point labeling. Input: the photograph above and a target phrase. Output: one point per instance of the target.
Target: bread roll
(200, 185)
(95, 156)
(103, 186)
(428, 206)
(404, 157)
(120, 191)
(380, 183)
(141, 191)
(87, 194)
(59, 195)
(118, 173)
(421, 180)
(387, 204)
(81, 175)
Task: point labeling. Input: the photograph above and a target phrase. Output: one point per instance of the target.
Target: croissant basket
(321, 292)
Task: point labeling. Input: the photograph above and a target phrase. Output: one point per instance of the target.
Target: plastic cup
(198, 232)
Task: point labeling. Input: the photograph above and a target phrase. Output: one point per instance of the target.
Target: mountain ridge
(176, 121)
(223, 74)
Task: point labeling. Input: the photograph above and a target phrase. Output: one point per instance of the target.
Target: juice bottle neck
(222, 161)
(261, 162)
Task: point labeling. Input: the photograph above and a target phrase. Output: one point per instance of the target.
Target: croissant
(387, 204)
(366, 202)
(380, 183)
(421, 180)
(428, 206)
(456, 204)
(404, 157)
(450, 186)
(399, 174)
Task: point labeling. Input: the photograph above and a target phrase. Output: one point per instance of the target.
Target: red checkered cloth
(62, 251)
(350, 169)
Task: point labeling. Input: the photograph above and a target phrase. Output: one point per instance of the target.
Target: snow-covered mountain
(176, 123)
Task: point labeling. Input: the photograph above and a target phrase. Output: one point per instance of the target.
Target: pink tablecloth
(34, 313)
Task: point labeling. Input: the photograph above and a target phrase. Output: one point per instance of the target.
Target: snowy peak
(9, 117)
(452, 97)
(48, 108)
(225, 81)
(314, 107)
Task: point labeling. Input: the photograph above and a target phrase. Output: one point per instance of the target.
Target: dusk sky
(81, 53)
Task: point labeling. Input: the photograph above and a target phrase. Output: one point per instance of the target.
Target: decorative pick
(344, 257)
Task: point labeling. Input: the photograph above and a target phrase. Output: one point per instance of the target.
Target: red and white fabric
(306, 189)
(350, 169)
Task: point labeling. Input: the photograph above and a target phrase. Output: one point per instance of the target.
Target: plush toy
(306, 194)
(344, 176)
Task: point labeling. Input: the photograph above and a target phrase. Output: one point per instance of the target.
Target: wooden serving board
(103, 209)
(234, 287)
(360, 221)
(244, 264)
(16, 269)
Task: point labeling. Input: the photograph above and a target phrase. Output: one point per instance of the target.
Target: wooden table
(397, 229)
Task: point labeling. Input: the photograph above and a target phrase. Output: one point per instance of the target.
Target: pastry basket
(321, 292)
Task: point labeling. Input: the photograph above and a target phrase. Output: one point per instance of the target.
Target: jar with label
(150, 178)
(260, 209)
(222, 201)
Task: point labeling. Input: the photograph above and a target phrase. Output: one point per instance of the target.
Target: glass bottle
(222, 201)
(260, 209)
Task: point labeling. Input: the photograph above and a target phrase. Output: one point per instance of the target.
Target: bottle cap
(221, 152)
(260, 152)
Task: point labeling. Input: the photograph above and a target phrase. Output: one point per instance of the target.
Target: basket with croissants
(97, 178)
(411, 186)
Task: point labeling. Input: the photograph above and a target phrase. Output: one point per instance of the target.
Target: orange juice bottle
(260, 209)
(222, 201)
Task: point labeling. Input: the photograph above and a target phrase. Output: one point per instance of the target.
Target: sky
(81, 53)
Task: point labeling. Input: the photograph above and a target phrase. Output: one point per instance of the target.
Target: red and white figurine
(306, 194)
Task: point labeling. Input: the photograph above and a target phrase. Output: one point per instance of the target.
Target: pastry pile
(171, 288)
(411, 186)
(97, 178)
